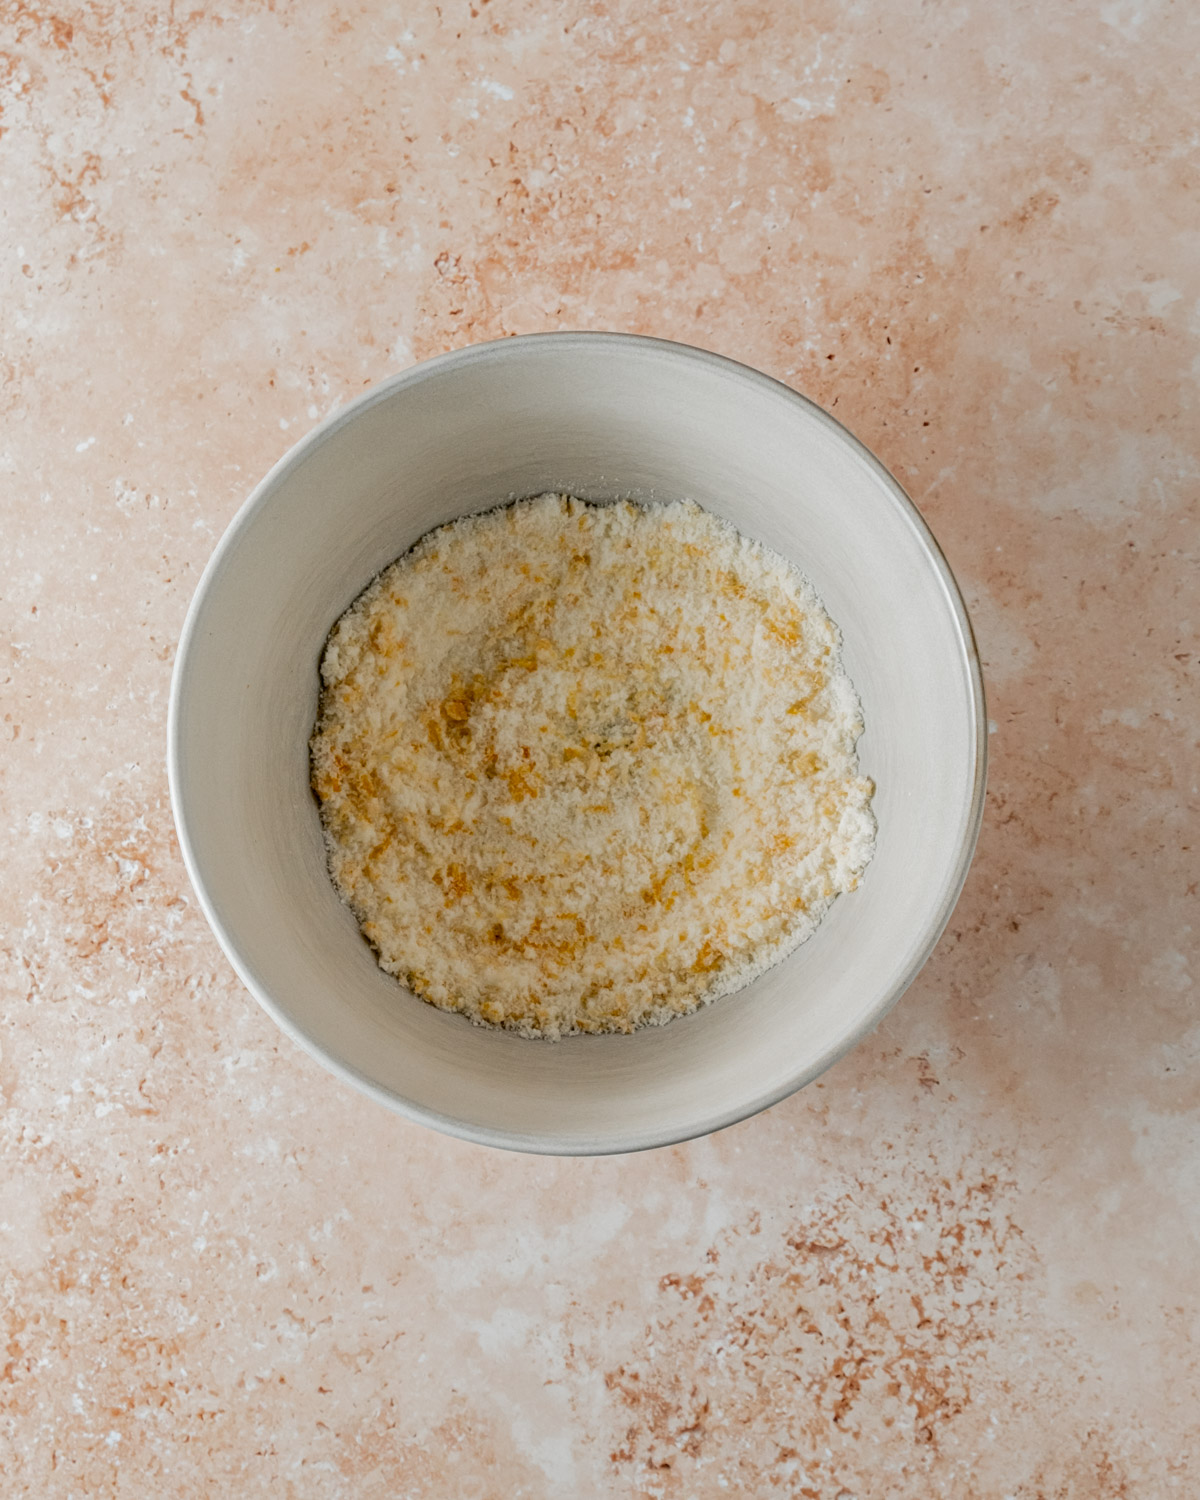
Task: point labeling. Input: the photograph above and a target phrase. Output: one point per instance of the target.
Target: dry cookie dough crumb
(583, 768)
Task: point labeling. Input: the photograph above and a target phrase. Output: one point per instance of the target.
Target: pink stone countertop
(964, 1264)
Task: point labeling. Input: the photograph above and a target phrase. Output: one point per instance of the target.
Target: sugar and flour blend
(583, 768)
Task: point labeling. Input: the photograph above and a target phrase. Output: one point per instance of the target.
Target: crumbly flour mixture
(582, 768)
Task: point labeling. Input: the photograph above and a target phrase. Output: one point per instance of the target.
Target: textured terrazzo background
(964, 1265)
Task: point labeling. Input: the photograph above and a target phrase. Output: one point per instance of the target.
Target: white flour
(584, 767)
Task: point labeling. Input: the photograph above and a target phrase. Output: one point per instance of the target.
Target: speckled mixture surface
(583, 768)
(960, 1266)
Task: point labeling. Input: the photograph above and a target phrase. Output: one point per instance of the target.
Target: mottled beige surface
(965, 1263)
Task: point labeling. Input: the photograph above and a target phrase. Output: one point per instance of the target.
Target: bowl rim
(616, 1142)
